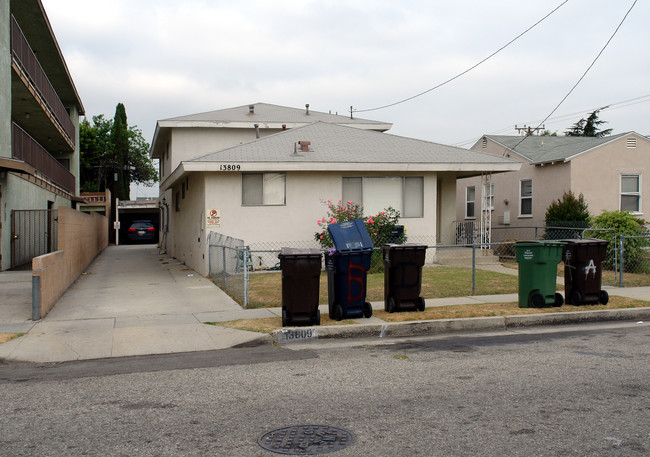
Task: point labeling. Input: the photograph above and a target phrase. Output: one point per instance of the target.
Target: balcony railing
(25, 148)
(24, 55)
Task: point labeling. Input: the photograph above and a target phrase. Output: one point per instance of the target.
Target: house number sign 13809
(229, 167)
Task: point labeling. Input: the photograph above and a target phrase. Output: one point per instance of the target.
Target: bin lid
(296, 252)
(594, 241)
(350, 236)
(415, 246)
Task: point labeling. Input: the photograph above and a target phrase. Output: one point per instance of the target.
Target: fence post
(246, 254)
(223, 255)
(620, 273)
(473, 268)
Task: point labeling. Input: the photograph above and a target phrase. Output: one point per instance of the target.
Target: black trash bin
(300, 286)
(583, 271)
(346, 270)
(403, 276)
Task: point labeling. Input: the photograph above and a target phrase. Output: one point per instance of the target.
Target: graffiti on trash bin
(591, 267)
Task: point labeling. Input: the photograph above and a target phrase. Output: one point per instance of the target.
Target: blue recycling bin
(346, 270)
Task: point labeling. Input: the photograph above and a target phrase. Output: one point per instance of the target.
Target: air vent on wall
(630, 143)
(484, 142)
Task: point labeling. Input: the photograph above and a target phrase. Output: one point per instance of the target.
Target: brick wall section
(80, 238)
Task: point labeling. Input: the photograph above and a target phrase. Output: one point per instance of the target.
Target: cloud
(164, 58)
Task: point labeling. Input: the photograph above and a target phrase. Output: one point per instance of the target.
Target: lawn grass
(437, 282)
(267, 325)
(4, 337)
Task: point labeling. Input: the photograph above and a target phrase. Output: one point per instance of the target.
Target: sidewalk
(134, 301)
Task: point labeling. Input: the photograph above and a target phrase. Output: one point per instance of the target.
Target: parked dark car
(142, 231)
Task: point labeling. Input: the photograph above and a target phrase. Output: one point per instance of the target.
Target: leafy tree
(589, 126)
(111, 146)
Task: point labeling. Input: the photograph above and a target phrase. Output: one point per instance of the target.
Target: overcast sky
(168, 58)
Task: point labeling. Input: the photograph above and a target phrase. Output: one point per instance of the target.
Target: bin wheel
(391, 307)
(284, 317)
(367, 310)
(603, 297)
(537, 300)
(338, 313)
(576, 298)
(317, 320)
(559, 300)
(420, 304)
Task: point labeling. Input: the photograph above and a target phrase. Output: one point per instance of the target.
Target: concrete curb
(441, 326)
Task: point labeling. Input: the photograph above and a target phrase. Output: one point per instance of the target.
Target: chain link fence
(251, 273)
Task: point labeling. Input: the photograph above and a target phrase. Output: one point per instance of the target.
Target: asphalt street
(549, 391)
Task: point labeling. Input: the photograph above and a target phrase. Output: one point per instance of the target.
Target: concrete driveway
(130, 301)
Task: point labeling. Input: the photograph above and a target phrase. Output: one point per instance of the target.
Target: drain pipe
(257, 131)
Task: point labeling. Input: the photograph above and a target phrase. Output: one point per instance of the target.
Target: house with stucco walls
(271, 188)
(608, 171)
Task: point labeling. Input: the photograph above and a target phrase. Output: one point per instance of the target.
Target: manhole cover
(306, 440)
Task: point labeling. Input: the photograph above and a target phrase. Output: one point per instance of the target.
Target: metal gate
(33, 233)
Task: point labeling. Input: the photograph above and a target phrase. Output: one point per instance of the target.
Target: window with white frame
(470, 202)
(261, 189)
(488, 192)
(376, 193)
(631, 193)
(526, 197)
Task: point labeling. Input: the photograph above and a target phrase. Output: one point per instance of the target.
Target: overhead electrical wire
(568, 116)
(585, 72)
(469, 69)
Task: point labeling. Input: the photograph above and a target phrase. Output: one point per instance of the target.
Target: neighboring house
(608, 171)
(272, 189)
(39, 132)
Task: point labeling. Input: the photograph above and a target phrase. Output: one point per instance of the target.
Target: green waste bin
(538, 273)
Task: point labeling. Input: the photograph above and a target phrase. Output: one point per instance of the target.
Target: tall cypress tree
(120, 140)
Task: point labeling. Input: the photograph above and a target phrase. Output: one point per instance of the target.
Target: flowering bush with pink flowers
(380, 226)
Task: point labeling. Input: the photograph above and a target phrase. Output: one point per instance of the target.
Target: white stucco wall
(189, 143)
(287, 224)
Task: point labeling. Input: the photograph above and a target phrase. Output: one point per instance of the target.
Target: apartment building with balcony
(39, 131)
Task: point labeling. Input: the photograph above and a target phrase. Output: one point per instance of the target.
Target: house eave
(464, 169)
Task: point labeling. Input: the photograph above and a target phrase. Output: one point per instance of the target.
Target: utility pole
(527, 130)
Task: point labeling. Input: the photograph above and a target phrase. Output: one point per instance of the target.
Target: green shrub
(626, 224)
(566, 217)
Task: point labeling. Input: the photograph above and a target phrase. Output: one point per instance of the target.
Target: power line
(586, 71)
(466, 71)
(610, 106)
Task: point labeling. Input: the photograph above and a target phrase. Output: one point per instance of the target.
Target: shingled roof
(546, 149)
(272, 116)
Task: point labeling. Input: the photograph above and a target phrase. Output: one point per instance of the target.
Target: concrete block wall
(81, 237)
